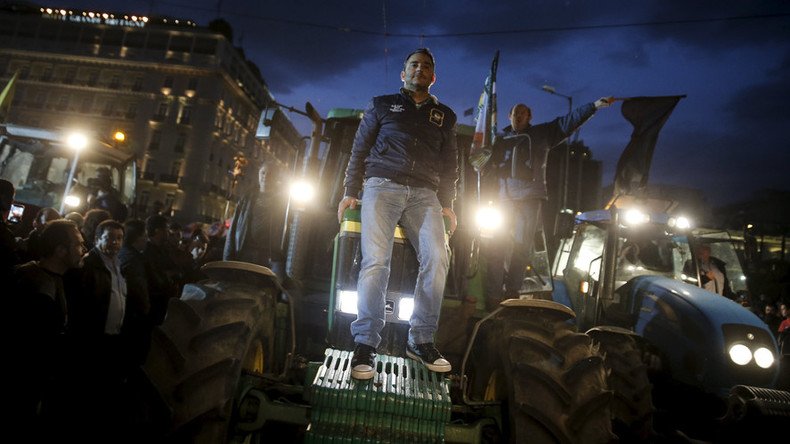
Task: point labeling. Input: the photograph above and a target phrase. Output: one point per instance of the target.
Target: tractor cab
(40, 163)
(608, 248)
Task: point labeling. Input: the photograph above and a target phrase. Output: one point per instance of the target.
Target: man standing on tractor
(405, 151)
(518, 163)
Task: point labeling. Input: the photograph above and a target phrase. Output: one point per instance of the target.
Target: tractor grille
(404, 402)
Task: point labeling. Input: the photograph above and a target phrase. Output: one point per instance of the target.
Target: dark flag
(647, 115)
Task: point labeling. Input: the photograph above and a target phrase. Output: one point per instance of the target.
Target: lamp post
(566, 159)
(75, 141)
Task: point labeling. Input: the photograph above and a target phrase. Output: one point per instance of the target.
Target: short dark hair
(425, 51)
(107, 225)
(155, 222)
(134, 229)
(6, 195)
(54, 234)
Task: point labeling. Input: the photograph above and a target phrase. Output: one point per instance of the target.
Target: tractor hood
(695, 330)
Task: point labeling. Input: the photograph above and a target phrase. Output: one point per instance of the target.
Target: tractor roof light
(72, 201)
(634, 216)
(680, 223)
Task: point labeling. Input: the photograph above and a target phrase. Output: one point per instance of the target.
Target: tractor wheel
(555, 382)
(632, 406)
(201, 351)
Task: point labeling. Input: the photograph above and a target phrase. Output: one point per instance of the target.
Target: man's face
(418, 73)
(110, 241)
(520, 118)
(73, 254)
(703, 254)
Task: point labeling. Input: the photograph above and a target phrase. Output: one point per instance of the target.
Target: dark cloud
(731, 57)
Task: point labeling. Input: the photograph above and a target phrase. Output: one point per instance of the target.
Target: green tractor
(242, 357)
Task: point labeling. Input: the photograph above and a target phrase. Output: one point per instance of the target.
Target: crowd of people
(84, 293)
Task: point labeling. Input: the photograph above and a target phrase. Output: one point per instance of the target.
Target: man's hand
(604, 102)
(453, 220)
(345, 203)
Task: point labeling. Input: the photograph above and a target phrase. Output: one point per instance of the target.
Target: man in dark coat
(37, 322)
(136, 325)
(252, 236)
(518, 162)
(162, 273)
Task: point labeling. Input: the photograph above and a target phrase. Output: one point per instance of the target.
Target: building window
(142, 203)
(169, 199)
(115, 81)
(63, 103)
(46, 74)
(161, 112)
(108, 108)
(68, 77)
(86, 104)
(175, 168)
(131, 111)
(193, 83)
(93, 77)
(24, 72)
(40, 100)
(181, 141)
(156, 140)
(186, 115)
(168, 82)
(138, 84)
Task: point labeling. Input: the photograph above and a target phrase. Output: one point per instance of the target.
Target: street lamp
(76, 141)
(567, 157)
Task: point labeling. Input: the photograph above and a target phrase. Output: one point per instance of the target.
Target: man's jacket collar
(431, 97)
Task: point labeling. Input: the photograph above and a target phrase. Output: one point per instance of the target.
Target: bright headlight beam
(72, 201)
(405, 308)
(302, 191)
(740, 354)
(763, 357)
(634, 217)
(488, 218)
(347, 301)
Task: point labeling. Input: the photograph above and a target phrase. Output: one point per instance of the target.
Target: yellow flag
(7, 96)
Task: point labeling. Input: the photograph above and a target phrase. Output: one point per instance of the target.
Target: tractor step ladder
(403, 402)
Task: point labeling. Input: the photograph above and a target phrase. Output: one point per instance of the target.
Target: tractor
(577, 358)
(678, 355)
(242, 357)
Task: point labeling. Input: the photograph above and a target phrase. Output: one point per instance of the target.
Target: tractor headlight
(347, 301)
(302, 192)
(489, 220)
(72, 201)
(740, 354)
(635, 217)
(405, 308)
(680, 222)
(764, 357)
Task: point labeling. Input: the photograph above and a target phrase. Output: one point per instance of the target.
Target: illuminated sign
(94, 18)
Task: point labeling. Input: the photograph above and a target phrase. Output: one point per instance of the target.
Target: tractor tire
(632, 406)
(555, 382)
(216, 332)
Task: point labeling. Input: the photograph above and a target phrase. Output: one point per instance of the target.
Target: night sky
(731, 58)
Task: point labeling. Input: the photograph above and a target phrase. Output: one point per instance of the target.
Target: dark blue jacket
(409, 145)
(525, 177)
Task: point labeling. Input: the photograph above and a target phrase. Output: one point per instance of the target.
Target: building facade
(187, 100)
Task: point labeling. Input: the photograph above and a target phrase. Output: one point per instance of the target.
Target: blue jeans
(385, 204)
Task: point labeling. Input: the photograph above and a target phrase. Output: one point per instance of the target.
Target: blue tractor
(677, 354)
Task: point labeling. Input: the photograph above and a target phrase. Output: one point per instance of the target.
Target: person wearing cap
(404, 162)
(518, 163)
